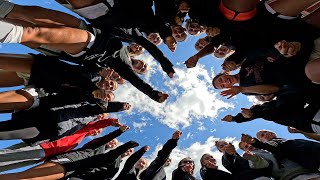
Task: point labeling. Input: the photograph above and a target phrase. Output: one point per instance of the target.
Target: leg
(312, 68)
(17, 156)
(45, 171)
(15, 100)
(43, 17)
(17, 129)
(291, 8)
(10, 79)
(16, 62)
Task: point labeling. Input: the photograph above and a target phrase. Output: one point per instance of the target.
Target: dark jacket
(178, 174)
(129, 172)
(133, 14)
(105, 52)
(95, 147)
(240, 169)
(303, 152)
(209, 174)
(287, 109)
(64, 114)
(155, 171)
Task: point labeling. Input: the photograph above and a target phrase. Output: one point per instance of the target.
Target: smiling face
(201, 43)
(139, 66)
(95, 132)
(187, 165)
(221, 145)
(178, 33)
(184, 7)
(167, 163)
(224, 81)
(194, 28)
(113, 143)
(155, 38)
(265, 135)
(141, 164)
(135, 49)
(221, 52)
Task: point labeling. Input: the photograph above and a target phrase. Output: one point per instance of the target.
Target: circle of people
(68, 86)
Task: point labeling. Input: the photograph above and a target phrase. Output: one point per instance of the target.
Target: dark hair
(216, 77)
(185, 159)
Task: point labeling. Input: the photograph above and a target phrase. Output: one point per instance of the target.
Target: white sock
(92, 38)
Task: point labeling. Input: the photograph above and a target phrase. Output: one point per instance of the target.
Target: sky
(193, 106)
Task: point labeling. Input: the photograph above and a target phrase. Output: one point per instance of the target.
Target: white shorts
(316, 50)
(36, 93)
(5, 8)
(94, 11)
(10, 33)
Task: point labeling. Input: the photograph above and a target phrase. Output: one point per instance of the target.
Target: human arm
(127, 73)
(257, 162)
(117, 106)
(132, 160)
(256, 89)
(95, 143)
(258, 144)
(193, 60)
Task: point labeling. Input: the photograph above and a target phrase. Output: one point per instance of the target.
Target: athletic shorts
(95, 11)
(5, 8)
(315, 54)
(10, 33)
(36, 93)
(236, 16)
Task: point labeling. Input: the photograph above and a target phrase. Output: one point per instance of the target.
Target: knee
(34, 34)
(312, 70)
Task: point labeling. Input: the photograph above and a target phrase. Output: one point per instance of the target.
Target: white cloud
(195, 151)
(139, 125)
(191, 96)
(253, 100)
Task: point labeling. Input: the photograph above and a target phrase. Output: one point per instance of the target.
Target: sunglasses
(188, 162)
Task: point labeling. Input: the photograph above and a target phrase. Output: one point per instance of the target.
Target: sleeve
(115, 106)
(257, 162)
(238, 57)
(131, 161)
(165, 63)
(270, 111)
(240, 119)
(95, 143)
(265, 146)
(160, 160)
(165, 9)
(127, 73)
(228, 161)
(103, 123)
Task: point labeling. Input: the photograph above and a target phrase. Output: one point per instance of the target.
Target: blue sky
(194, 106)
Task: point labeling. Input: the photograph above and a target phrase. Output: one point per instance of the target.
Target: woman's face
(135, 49)
(208, 159)
(141, 164)
(187, 165)
(154, 38)
(221, 52)
(201, 43)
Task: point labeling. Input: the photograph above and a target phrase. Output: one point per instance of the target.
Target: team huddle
(68, 85)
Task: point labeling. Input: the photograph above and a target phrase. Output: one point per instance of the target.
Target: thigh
(10, 79)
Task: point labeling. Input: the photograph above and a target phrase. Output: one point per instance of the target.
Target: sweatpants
(17, 158)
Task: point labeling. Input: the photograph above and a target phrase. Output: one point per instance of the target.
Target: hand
(210, 165)
(248, 154)
(288, 49)
(106, 72)
(232, 91)
(230, 66)
(124, 128)
(212, 31)
(126, 106)
(170, 74)
(247, 138)
(230, 149)
(246, 113)
(171, 43)
(146, 148)
(116, 123)
(227, 118)
(162, 97)
(192, 61)
(293, 130)
(176, 134)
